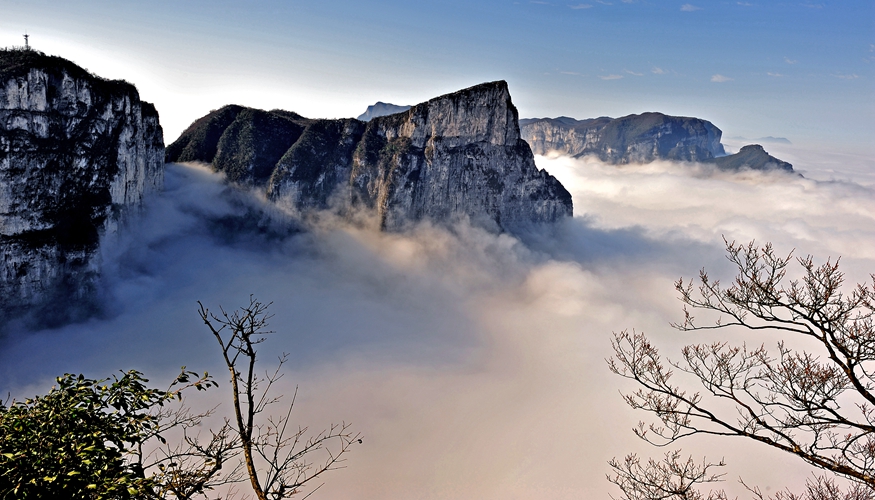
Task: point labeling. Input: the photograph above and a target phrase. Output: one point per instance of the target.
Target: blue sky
(797, 69)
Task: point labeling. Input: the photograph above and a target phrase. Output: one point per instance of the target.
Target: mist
(473, 363)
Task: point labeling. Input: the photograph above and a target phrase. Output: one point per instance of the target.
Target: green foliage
(253, 144)
(84, 438)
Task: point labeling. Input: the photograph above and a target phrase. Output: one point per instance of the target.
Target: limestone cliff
(460, 154)
(631, 139)
(77, 153)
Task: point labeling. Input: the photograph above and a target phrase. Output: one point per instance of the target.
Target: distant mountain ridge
(630, 139)
(752, 156)
(381, 109)
(643, 138)
(457, 155)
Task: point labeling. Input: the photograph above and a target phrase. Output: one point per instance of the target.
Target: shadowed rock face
(631, 139)
(456, 155)
(76, 154)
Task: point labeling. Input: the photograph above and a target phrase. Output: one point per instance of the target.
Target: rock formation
(77, 153)
(456, 155)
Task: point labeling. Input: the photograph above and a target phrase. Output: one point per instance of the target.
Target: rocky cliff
(77, 153)
(460, 154)
(631, 139)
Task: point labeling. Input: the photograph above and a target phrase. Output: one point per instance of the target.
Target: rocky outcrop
(456, 155)
(752, 157)
(77, 153)
(631, 139)
(381, 109)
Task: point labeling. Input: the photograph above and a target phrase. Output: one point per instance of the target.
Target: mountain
(631, 139)
(752, 157)
(77, 154)
(642, 139)
(457, 155)
(381, 109)
(774, 140)
(767, 139)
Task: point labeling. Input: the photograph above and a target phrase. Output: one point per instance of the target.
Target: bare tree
(816, 405)
(277, 456)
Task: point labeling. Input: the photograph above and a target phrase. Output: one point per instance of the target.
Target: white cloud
(610, 77)
(689, 8)
(658, 71)
(634, 73)
(569, 73)
(790, 61)
(581, 6)
(720, 78)
(774, 74)
(852, 76)
(473, 364)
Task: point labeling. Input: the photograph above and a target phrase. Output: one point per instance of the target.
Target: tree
(85, 438)
(276, 456)
(117, 438)
(818, 405)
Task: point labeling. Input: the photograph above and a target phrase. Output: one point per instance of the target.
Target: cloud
(852, 76)
(745, 4)
(581, 6)
(774, 74)
(610, 77)
(574, 73)
(790, 61)
(472, 362)
(720, 78)
(689, 8)
(658, 71)
(634, 73)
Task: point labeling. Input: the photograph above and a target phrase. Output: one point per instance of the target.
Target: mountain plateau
(642, 139)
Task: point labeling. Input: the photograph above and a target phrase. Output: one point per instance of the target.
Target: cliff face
(76, 154)
(456, 155)
(631, 139)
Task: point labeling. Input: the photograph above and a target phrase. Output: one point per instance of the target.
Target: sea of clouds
(473, 363)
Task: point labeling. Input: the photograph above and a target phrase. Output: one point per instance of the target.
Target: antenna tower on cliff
(26, 43)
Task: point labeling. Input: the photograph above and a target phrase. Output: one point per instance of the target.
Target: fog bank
(473, 363)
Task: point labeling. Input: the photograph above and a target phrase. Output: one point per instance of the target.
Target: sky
(473, 363)
(796, 69)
